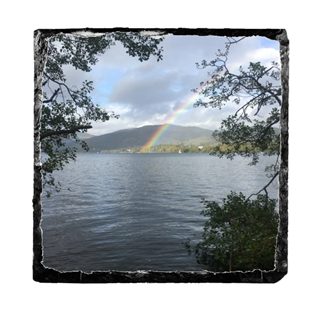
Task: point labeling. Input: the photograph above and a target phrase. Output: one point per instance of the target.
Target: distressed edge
(45, 275)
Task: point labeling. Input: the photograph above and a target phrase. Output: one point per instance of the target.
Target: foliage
(260, 136)
(174, 148)
(240, 234)
(67, 109)
(254, 88)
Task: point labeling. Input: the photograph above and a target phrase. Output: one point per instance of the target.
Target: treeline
(164, 148)
(176, 148)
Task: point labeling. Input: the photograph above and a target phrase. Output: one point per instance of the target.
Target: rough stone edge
(42, 274)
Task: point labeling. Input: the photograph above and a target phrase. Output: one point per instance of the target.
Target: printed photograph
(160, 152)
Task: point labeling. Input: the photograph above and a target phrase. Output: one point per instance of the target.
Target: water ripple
(132, 212)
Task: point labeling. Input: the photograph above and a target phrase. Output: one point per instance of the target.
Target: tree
(66, 109)
(241, 233)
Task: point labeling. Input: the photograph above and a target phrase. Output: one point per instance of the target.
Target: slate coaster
(41, 273)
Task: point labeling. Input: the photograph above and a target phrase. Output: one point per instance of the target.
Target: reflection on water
(132, 212)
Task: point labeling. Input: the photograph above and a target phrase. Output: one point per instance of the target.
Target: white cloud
(264, 55)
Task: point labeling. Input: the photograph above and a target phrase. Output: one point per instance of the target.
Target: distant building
(200, 147)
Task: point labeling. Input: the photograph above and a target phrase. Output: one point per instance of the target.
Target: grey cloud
(143, 92)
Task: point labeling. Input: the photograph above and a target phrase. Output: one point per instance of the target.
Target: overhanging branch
(59, 132)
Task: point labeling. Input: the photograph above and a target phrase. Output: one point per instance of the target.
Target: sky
(152, 93)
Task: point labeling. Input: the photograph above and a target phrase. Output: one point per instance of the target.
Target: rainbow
(158, 134)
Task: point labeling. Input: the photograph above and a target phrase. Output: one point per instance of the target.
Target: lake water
(131, 212)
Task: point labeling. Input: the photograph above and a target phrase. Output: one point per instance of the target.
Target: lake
(130, 212)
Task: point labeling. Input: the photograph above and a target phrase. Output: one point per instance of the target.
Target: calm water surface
(131, 212)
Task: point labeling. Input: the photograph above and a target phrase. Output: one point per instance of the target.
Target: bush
(239, 235)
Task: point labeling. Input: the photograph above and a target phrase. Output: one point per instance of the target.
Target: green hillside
(130, 138)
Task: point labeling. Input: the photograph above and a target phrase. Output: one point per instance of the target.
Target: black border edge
(47, 275)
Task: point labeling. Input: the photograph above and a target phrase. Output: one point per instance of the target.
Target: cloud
(264, 55)
(143, 91)
(150, 92)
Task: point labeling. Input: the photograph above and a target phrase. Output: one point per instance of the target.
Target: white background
(296, 296)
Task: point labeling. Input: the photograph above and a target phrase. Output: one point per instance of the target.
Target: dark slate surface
(42, 274)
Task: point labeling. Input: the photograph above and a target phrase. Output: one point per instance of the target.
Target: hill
(129, 138)
(138, 137)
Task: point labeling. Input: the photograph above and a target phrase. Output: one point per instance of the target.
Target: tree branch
(265, 89)
(54, 94)
(249, 102)
(233, 40)
(71, 130)
(264, 188)
(62, 84)
(268, 127)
